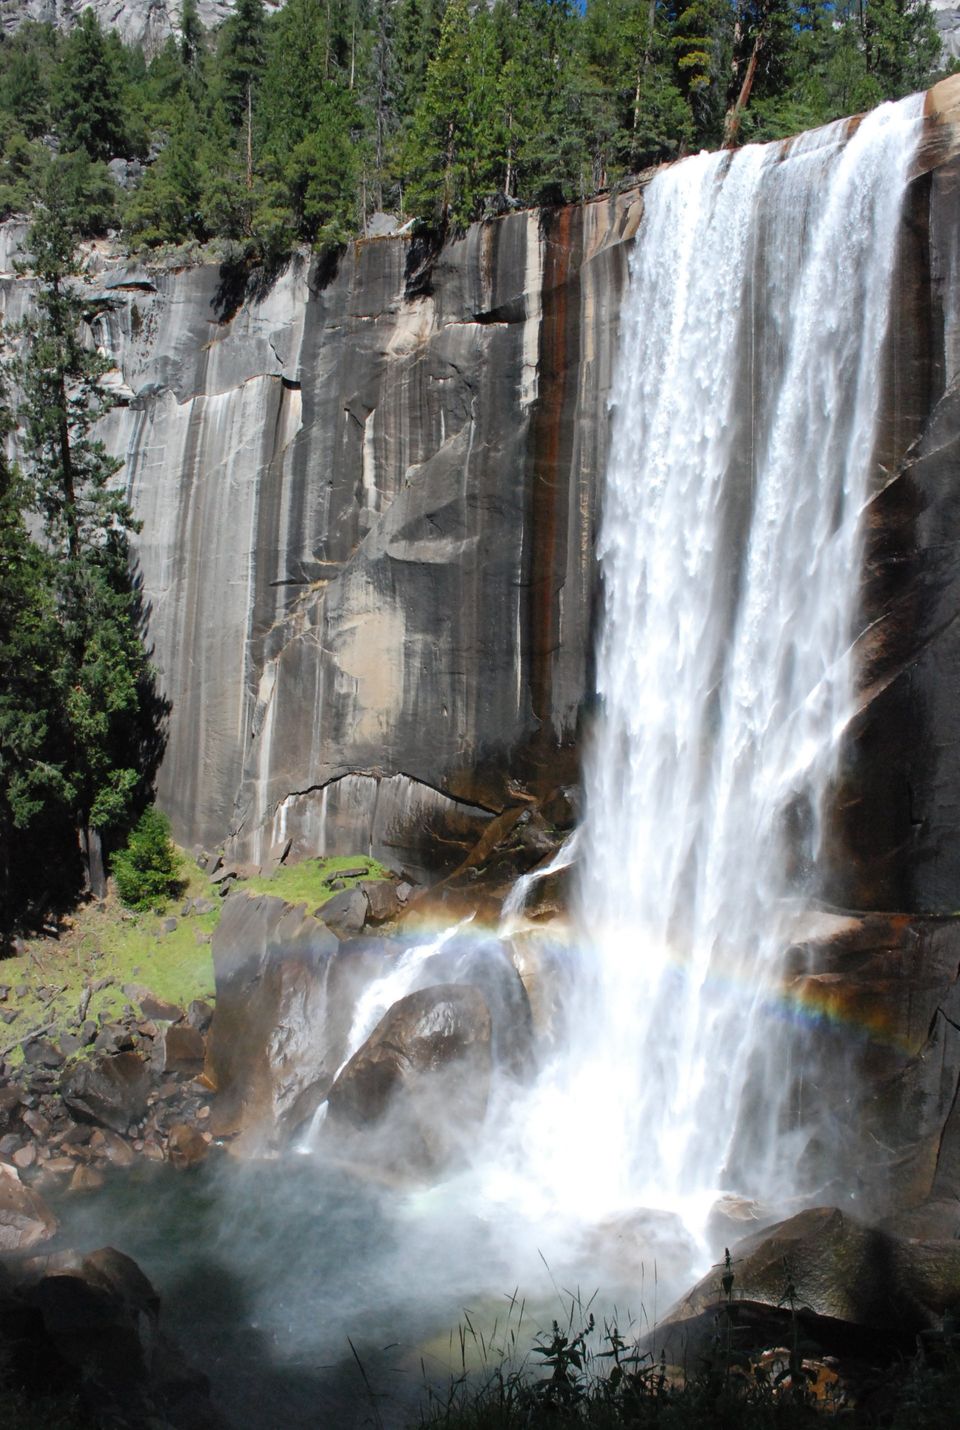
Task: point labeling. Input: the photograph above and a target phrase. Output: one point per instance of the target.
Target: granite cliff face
(369, 497)
(147, 23)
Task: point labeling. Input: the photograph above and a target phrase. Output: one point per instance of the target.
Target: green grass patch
(306, 882)
(109, 943)
(112, 943)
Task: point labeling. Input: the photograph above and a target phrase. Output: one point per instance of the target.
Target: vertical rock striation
(369, 495)
(368, 502)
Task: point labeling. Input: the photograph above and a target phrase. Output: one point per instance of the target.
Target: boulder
(86, 1179)
(199, 1015)
(186, 1147)
(112, 1148)
(108, 1089)
(25, 1218)
(869, 1276)
(346, 913)
(113, 1038)
(382, 900)
(286, 989)
(159, 1008)
(182, 1049)
(486, 964)
(622, 1249)
(10, 1100)
(40, 1052)
(95, 1319)
(421, 1079)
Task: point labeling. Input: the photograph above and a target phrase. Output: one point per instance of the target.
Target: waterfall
(746, 415)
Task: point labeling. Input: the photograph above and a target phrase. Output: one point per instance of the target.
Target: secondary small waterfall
(745, 433)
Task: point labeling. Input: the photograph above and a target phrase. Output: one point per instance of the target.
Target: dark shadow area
(249, 278)
(326, 266)
(46, 872)
(422, 254)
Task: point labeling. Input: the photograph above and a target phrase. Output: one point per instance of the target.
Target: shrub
(147, 871)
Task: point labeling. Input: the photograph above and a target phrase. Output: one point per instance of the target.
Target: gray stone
(346, 913)
(382, 900)
(183, 1049)
(843, 1268)
(159, 1008)
(40, 1052)
(107, 1089)
(144, 23)
(286, 990)
(381, 225)
(199, 1015)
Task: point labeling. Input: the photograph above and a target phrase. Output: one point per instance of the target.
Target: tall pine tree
(86, 521)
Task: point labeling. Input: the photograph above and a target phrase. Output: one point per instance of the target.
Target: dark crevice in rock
(378, 775)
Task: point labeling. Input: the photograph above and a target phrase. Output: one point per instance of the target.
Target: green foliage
(32, 764)
(147, 869)
(596, 1378)
(454, 138)
(89, 95)
(167, 206)
(292, 124)
(99, 716)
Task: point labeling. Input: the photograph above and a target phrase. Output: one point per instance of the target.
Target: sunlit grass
(305, 882)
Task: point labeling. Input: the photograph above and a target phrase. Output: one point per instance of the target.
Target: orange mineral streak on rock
(941, 136)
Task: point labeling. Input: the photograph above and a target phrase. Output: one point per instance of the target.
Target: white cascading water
(746, 412)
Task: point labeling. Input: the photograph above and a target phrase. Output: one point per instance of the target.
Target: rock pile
(82, 1102)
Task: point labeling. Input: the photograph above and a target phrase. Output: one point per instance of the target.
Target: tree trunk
(91, 855)
(731, 125)
(66, 467)
(249, 135)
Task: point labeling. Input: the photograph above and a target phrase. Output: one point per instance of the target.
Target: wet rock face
(422, 1077)
(25, 1218)
(286, 988)
(378, 611)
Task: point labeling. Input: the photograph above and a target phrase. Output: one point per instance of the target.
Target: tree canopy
(79, 719)
(293, 126)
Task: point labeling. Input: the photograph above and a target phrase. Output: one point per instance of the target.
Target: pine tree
(901, 44)
(453, 143)
(90, 106)
(31, 693)
(241, 62)
(86, 523)
(192, 36)
(166, 208)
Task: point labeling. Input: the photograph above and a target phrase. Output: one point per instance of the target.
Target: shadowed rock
(109, 1089)
(836, 1266)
